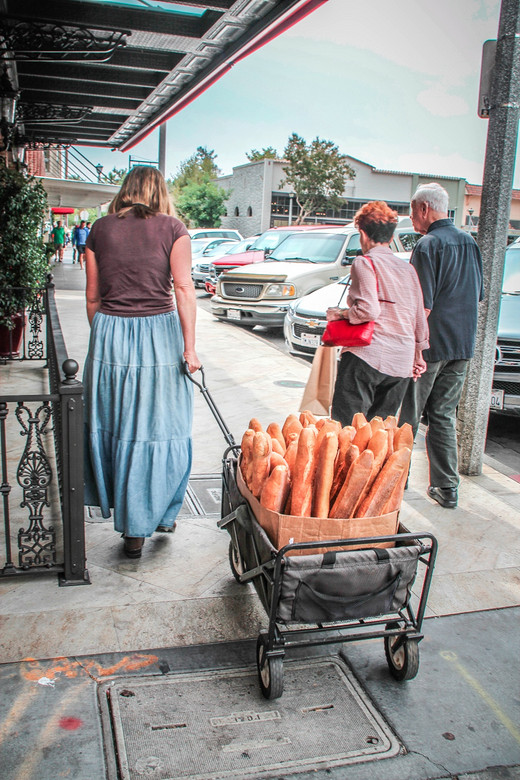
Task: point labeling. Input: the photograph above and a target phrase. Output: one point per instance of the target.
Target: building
(259, 199)
(472, 200)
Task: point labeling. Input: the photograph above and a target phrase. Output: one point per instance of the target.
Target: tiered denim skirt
(138, 418)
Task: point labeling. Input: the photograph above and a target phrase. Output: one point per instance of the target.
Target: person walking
(449, 266)
(58, 237)
(74, 242)
(385, 289)
(138, 399)
(81, 238)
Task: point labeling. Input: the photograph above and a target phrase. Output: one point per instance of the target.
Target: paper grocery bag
(289, 529)
(317, 396)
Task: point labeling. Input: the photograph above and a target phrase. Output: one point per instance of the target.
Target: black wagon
(329, 597)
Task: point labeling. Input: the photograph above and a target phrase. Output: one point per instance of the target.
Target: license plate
(310, 339)
(233, 314)
(497, 399)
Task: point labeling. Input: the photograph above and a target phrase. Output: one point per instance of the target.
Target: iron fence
(41, 452)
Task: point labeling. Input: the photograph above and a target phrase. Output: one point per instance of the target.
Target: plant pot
(10, 340)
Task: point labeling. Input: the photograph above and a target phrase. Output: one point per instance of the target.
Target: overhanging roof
(107, 72)
(78, 194)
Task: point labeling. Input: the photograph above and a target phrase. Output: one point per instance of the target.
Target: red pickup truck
(260, 248)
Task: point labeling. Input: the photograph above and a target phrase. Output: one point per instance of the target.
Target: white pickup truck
(260, 294)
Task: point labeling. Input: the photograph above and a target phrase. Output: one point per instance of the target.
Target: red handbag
(342, 333)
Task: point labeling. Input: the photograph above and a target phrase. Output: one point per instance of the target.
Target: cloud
(435, 162)
(437, 100)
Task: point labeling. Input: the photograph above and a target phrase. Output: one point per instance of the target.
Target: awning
(107, 72)
(62, 210)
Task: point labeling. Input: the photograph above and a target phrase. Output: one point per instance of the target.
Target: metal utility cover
(216, 724)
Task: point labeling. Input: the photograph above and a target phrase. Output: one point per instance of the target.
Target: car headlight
(280, 291)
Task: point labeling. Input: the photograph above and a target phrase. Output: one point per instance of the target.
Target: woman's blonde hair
(143, 189)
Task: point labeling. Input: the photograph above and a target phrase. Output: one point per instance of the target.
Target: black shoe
(133, 546)
(446, 497)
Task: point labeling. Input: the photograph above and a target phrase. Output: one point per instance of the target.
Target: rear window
(511, 283)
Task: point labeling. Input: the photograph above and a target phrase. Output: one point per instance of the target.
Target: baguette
(302, 477)
(255, 424)
(394, 502)
(385, 483)
(362, 437)
(391, 434)
(357, 477)
(247, 454)
(290, 452)
(403, 437)
(378, 444)
(324, 475)
(277, 447)
(329, 426)
(291, 425)
(262, 448)
(307, 418)
(376, 424)
(276, 460)
(390, 422)
(350, 456)
(275, 432)
(359, 420)
(276, 489)
(345, 438)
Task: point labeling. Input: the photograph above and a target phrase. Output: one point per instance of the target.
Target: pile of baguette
(313, 467)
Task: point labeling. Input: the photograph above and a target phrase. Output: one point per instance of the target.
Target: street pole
(162, 148)
(504, 113)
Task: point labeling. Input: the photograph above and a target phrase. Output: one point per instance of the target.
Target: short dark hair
(377, 220)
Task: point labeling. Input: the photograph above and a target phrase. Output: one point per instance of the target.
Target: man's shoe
(133, 546)
(446, 497)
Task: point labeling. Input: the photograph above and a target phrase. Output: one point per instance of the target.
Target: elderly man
(449, 266)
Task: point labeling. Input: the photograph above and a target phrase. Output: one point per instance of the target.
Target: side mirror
(267, 252)
(346, 260)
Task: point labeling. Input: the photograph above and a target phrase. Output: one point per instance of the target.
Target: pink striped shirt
(398, 311)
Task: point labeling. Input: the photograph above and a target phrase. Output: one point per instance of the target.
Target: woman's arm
(180, 265)
(92, 292)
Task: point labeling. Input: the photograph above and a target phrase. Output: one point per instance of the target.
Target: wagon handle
(211, 403)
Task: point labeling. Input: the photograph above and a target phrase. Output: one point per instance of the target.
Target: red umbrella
(62, 210)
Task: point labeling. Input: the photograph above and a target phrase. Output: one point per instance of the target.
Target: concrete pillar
(492, 235)
(162, 148)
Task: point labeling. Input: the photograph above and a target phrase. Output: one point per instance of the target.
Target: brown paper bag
(289, 529)
(317, 396)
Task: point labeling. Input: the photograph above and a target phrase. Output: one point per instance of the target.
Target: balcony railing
(41, 453)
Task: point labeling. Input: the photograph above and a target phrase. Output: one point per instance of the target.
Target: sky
(392, 84)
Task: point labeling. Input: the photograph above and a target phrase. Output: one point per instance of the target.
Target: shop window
(237, 211)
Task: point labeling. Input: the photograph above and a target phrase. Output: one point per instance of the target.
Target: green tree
(116, 175)
(267, 153)
(317, 172)
(198, 168)
(202, 203)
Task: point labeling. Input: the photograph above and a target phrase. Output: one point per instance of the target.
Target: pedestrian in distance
(449, 266)
(74, 242)
(58, 237)
(81, 239)
(383, 288)
(138, 398)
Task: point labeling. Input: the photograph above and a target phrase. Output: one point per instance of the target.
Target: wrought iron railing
(41, 453)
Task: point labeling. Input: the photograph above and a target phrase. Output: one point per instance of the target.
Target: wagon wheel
(236, 563)
(403, 661)
(270, 670)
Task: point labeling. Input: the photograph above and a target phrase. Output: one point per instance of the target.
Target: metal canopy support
(492, 235)
(162, 149)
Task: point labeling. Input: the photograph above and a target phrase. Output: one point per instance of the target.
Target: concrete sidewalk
(181, 593)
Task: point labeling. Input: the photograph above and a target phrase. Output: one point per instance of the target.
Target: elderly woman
(383, 288)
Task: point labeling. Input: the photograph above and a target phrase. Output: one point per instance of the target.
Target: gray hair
(434, 195)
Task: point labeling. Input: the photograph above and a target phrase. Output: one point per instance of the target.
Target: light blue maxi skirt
(138, 418)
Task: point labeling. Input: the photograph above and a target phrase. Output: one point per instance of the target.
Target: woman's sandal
(166, 529)
(133, 546)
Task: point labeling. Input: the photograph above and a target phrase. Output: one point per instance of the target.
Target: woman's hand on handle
(192, 360)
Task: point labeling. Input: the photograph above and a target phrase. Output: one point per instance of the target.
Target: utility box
(487, 69)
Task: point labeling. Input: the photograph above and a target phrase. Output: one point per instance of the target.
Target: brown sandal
(133, 546)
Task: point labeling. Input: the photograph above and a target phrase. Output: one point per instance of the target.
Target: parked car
(202, 252)
(225, 258)
(505, 395)
(260, 294)
(305, 322)
(208, 233)
(257, 252)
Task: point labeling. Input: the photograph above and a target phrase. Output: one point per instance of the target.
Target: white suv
(215, 233)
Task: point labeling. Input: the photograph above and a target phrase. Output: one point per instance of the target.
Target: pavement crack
(433, 763)
(87, 670)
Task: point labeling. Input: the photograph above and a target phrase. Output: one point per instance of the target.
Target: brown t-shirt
(133, 259)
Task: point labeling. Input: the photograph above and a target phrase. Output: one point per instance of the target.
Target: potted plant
(23, 259)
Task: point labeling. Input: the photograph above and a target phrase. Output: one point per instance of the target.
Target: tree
(202, 204)
(198, 168)
(317, 173)
(116, 175)
(267, 153)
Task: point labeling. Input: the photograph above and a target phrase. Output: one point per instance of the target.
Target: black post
(71, 401)
(504, 112)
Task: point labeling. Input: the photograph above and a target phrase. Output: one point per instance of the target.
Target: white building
(260, 200)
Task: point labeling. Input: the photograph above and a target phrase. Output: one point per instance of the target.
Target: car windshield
(218, 249)
(408, 240)
(309, 247)
(198, 243)
(270, 240)
(240, 246)
(511, 283)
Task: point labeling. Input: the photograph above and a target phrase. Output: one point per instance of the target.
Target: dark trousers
(437, 393)
(360, 388)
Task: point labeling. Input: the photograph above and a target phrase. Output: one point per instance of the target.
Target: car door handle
(333, 278)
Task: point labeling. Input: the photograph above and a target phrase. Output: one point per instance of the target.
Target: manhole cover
(203, 495)
(289, 383)
(216, 724)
